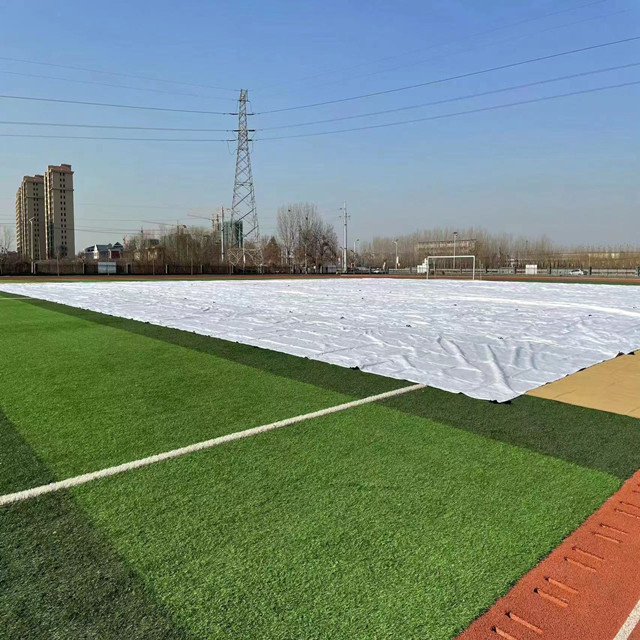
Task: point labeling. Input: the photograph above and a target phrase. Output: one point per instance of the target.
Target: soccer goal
(454, 265)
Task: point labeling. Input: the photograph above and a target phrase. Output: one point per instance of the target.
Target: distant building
(445, 247)
(233, 234)
(59, 211)
(104, 252)
(30, 216)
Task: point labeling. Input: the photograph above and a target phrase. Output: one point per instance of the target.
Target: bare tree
(495, 250)
(6, 239)
(305, 237)
(288, 228)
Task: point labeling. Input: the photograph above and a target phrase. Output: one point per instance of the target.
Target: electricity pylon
(244, 215)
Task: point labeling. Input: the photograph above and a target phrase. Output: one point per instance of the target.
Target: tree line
(303, 241)
(495, 250)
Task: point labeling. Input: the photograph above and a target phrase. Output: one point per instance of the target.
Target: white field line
(630, 623)
(199, 446)
(16, 298)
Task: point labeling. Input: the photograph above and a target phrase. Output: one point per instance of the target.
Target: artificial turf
(595, 439)
(59, 576)
(404, 519)
(86, 396)
(367, 524)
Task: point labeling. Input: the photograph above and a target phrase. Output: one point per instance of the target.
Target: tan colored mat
(612, 386)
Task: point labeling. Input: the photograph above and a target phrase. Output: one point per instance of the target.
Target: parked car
(577, 272)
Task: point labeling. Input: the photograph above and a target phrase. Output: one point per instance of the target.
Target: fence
(90, 268)
(122, 267)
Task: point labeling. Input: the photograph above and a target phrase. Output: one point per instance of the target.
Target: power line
(457, 98)
(460, 113)
(377, 126)
(36, 135)
(118, 106)
(463, 38)
(109, 126)
(469, 49)
(456, 77)
(136, 206)
(115, 73)
(117, 86)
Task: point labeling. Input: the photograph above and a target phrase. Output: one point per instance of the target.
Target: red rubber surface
(584, 590)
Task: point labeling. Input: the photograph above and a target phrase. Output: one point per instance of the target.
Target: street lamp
(455, 235)
(189, 257)
(31, 244)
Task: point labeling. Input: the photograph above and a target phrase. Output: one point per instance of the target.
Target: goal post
(433, 259)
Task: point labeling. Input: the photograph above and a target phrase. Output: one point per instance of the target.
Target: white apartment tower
(58, 212)
(30, 215)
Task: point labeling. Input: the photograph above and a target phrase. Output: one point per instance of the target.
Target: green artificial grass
(367, 524)
(59, 577)
(604, 441)
(397, 520)
(87, 396)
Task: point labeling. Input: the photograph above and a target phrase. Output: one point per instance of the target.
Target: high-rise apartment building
(30, 216)
(58, 211)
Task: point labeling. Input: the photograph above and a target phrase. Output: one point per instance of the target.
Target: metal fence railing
(122, 267)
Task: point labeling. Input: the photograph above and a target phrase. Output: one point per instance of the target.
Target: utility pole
(31, 243)
(222, 232)
(396, 243)
(455, 235)
(345, 217)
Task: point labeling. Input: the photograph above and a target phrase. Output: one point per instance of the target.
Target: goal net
(463, 266)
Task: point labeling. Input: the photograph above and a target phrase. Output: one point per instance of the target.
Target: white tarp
(492, 340)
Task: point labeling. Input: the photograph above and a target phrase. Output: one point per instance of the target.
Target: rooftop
(62, 168)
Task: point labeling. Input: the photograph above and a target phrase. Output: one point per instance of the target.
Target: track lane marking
(75, 481)
(630, 624)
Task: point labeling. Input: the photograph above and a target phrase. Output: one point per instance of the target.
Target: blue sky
(568, 168)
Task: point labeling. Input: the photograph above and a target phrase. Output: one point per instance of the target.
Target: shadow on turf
(594, 439)
(59, 577)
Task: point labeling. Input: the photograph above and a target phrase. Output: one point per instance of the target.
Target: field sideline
(374, 522)
(239, 276)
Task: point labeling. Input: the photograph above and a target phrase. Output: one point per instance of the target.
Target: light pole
(31, 244)
(345, 246)
(189, 257)
(396, 243)
(306, 238)
(455, 235)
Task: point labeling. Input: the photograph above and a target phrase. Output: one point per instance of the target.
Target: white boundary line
(19, 496)
(630, 623)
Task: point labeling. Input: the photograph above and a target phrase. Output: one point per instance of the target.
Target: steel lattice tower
(243, 207)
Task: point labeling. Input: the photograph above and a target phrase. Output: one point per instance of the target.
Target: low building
(153, 251)
(446, 247)
(99, 252)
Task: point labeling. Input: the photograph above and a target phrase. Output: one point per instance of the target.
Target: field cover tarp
(491, 340)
